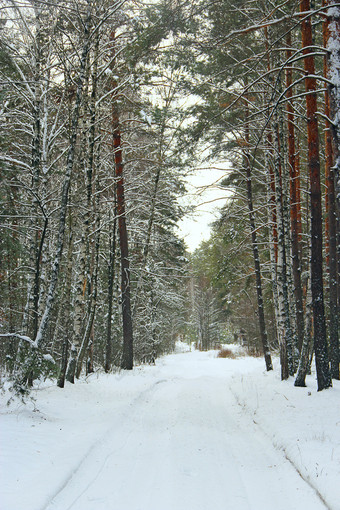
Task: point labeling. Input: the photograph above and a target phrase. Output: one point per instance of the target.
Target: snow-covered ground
(194, 432)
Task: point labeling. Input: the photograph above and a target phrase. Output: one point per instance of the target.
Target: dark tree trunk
(127, 355)
(36, 286)
(257, 266)
(294, 203)
(63, 364)
(111, 268)
(320, 341)
(67, 308)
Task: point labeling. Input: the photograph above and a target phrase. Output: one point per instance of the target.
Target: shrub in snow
(226, 353)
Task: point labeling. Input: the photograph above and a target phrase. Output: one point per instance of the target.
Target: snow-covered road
(171, 437)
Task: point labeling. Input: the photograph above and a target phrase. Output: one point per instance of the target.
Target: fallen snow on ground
(193, 432)
(303, 423)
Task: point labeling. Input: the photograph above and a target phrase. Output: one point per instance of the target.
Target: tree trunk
(320, 341)
(294, 203)
(127, 355)
(88, 333)
(285, 329)
(111, 277)
(333, 47)
(257, 266)
(331, 109)
(307, 345)
(83, 280)
(67, 309)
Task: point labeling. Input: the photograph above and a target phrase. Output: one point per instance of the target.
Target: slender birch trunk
(82, 281)
(41, 334)
(88, 333)
(272, 245)
(307, 345)
(285, 333)
(332, 134)
(333, 47)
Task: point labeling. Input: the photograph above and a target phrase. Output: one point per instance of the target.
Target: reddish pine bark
(320, 343)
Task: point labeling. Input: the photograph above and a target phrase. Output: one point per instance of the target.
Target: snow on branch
(266, 23)
(19, 337)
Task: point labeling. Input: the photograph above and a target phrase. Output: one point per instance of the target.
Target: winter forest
(108, 108)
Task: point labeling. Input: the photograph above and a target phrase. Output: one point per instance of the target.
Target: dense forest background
(106, 108)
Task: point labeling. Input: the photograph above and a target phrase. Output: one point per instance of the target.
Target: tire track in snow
(281, 448)
(137, 401)
(186, 446)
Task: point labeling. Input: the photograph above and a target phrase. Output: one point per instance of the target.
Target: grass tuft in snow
(226, 353)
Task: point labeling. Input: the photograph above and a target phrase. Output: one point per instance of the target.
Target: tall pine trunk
(294, 203)
(257, 266)
(320, 340)
(127, 355)
(111, 278)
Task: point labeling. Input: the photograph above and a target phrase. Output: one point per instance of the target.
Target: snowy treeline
(96, 137)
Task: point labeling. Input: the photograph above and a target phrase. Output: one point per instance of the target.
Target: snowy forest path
(184, 444)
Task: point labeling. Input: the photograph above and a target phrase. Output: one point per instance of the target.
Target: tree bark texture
(320, 341)
(285, 329)
(332, 110)
(333, 47)
(294, 203)
(307, 346)
(66, 312)
(40, 338)
(257, 266)
(127, 355)
(111, 278)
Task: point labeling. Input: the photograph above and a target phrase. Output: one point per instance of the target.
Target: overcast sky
(203, 192)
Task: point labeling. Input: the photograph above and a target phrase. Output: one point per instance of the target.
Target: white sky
(203, 192)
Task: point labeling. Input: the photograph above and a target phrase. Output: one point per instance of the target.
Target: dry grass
(226, 353)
